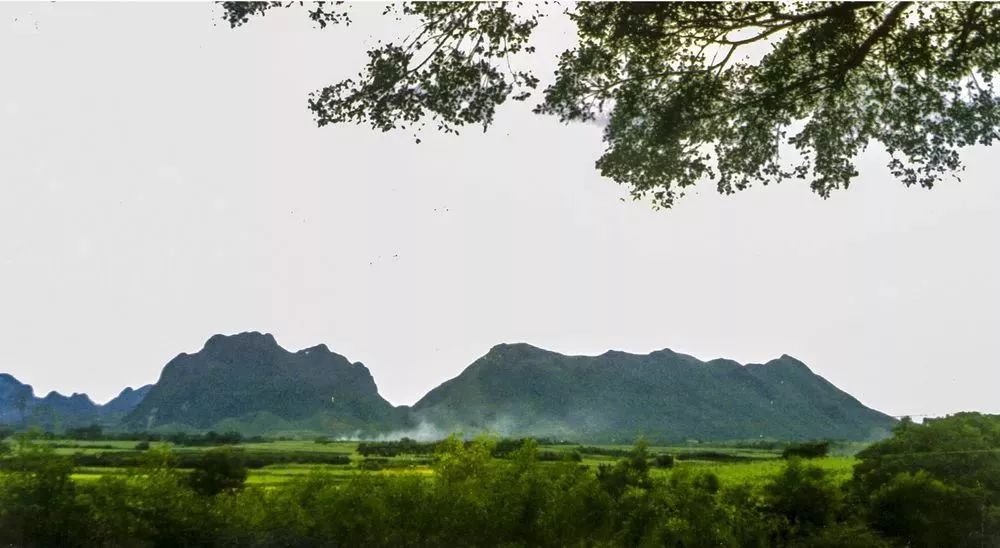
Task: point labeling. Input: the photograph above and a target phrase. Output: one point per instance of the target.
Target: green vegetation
(807, 450)
(933, 484)
(217, 470)
(248, 382)
(664, 396)
(742, 93)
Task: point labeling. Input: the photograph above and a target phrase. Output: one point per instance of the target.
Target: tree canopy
(738, 93)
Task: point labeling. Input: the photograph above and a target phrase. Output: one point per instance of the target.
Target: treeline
(97, 432)
(134, 459)
(207, 439)
(408, 446)
(403, 446)
(504, 447)
(930, 485)
(250, 459)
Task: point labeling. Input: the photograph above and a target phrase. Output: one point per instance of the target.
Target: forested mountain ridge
(248, 383)
(518, 389)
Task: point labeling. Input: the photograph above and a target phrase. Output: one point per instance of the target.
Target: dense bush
(936, 483)
(805, 496)
(664, 460)
(38, 504)
(807, 450)
(218, 470)
(715, 456)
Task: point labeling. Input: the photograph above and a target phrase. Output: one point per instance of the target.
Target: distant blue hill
(19, 407)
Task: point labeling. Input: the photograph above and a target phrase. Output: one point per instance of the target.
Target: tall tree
(740, 93)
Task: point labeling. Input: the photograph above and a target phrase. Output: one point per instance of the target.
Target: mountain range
(19, 406)
(249, 383)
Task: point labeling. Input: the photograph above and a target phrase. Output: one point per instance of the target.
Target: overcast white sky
(162, 180)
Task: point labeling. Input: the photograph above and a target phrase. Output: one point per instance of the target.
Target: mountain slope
(127, 400)
(20, 407)
(248, 382)
(16, 398)
(518, 389)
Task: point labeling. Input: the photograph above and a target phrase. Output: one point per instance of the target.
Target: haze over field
(163, 182)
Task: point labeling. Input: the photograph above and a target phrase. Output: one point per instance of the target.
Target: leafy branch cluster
(683, 104)
(683, 97)
(238, 13)
(453, 70)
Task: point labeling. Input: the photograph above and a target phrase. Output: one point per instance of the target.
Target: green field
(756, 467)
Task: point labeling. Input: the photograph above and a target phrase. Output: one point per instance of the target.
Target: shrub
(218, 470)
(714, 456)
(924, 512)
(37, 497)
(807, 450)
(664, 460)
(804, 495)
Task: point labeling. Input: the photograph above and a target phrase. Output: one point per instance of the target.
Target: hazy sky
(162, 180)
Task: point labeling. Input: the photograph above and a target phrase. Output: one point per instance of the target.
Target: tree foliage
(739, 93)
(807, 450)
(804, 495)
(220, 469)
(936, 483)
(37, 496)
